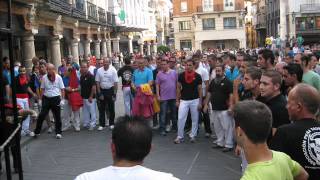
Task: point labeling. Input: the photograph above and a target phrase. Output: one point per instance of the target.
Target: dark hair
(212, 57)
(274, 75)
(196, 57)
(306, 59)
(221, 65)
(132, 138)
(191, 60)
(127, 60)
(267, 54)
(254, 118)
(254, 72)
(294, 69)
(4, 59)
(232, 57)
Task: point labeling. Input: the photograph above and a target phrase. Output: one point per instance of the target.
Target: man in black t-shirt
(126, 73)
(301, 139)
(189, 96)
(88, 92)
(220, 94)
(270, 84)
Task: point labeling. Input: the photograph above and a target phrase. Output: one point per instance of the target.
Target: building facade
(205, 24)
(259, 20)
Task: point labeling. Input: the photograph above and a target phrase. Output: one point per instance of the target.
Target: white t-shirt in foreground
(125, 173)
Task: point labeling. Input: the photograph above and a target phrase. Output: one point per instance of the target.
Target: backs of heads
(275, 76)
(127, 60)
(308, 96)
(267, 54)
(132, 138)
(255, 119)
(294, 69)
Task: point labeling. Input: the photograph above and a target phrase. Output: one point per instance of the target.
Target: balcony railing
(102, 15)
(219, 7)
(79, 11)
(61, 6)
(92, 11)
(309, 8)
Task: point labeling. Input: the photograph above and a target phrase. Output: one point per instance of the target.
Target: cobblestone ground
(49, 159)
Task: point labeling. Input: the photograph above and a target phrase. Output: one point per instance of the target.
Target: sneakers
(178, 140)
(31, 134)
(100, 128)
(91, 128)
(192, 139)
(58, 136)
(50, 129)
(155, 127)
(226, 149)
(163, 133)
(168, 128)
(111, 127)
(77, 129)
(216, 146)
(36, 135)
(207, 135)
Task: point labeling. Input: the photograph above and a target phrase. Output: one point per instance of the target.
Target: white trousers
(223, 125)
(183, 114)
(127, 99)
(89, 115)
(69, 115)
(24, 103)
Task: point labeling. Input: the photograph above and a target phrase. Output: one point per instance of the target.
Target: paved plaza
(46, 158)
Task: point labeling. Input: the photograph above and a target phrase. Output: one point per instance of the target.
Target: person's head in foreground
(253, 122)
(131, 143)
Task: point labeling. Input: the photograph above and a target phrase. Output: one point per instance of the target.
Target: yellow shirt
(281, 167)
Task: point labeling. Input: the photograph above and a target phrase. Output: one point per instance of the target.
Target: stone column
(154, 47)
(104, 48)
(141, 49)
(116, 47)
(97, 48)
(86, 47)
(283, 20)
(55, 51)
(75, 50)
(148, 48)
(109, 51)
(130, 44)
(28, 51)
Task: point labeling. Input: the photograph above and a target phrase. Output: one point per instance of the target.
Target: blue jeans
(164, 107)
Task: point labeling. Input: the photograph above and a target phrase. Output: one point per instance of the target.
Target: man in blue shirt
(142, 75)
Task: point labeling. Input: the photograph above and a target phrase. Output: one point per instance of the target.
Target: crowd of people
(181, 92)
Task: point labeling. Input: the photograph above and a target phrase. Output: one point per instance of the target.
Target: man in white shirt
(204, 115)
(52, 93)
(131, 143)
(107, 86)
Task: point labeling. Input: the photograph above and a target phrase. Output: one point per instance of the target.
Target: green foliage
(163, 49)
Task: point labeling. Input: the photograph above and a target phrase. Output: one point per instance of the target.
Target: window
(186, 45)
(184, 25)
(229, 5)
(207, 5)
(183, 7)
(208, 24)
(241, 22)
(230, 23)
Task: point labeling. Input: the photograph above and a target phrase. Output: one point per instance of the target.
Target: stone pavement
(46, 158)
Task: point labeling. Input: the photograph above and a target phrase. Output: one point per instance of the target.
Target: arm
(158, 91)
(303, 175)
(98, 87)
(200, 93)
(207, 86)
(62, 93)
(31, 92)
(115, 87)
(178, 93)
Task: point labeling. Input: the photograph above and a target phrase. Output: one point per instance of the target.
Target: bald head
(308, 96)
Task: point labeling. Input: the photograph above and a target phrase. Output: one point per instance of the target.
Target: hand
(200, 106)
(237, 150)
(158, 97)
(90, 99)
(177, 103)
(236, 83)
(40, 102)
(205, 108)
(114, 97)
(101, 97)
(69, 89)
(35, 96)
(62, 103)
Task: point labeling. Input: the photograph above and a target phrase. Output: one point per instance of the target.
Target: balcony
(78, 11)
(92, 12)
(210, 9)
(60, 6)
(310, 8)
(102, 15)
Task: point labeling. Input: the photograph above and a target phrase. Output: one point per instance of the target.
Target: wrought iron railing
(102, 15)
(61, 6)
(92, 11)
(78, 10)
